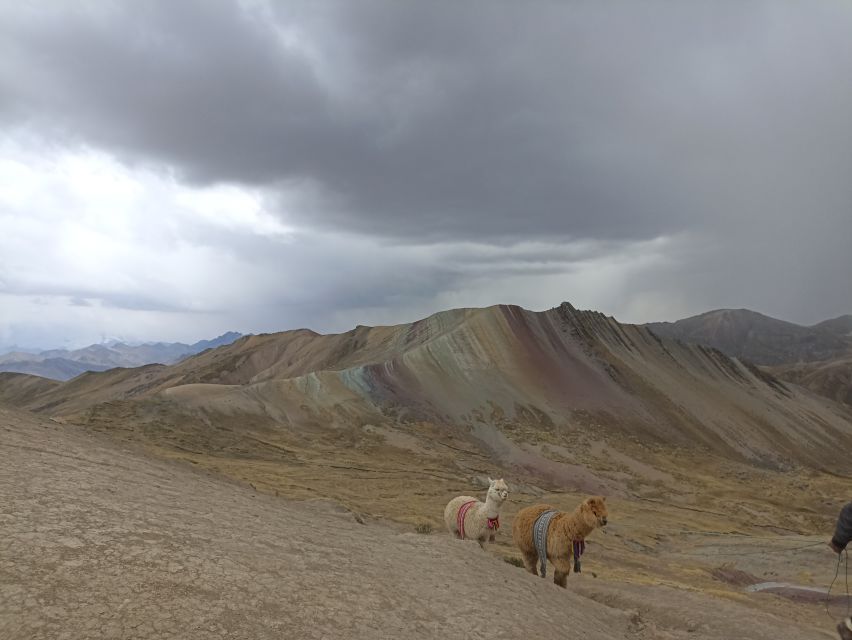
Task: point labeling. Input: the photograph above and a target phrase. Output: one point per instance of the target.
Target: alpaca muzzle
(603, 522)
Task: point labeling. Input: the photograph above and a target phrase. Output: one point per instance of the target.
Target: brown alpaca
(563, 529)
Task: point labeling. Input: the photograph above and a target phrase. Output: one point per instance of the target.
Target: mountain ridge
(64, 364)
(762, 339)
(498, 373)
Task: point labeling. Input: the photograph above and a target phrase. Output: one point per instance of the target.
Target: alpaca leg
(561, 578)
(530, 561)
(481, 541)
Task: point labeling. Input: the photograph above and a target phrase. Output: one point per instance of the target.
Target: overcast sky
(173, 169)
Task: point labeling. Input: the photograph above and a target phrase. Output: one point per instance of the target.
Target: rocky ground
(102, 540)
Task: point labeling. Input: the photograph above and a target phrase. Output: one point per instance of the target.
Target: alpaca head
(498, 490)
(594, 511)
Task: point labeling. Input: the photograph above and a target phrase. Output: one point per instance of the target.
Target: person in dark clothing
(843, 530)
(842, 536)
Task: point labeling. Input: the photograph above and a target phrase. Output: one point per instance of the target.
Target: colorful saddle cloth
(461, 515)
(540, 538)
(578, 547)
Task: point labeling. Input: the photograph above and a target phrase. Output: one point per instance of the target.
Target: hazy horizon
(133, 342)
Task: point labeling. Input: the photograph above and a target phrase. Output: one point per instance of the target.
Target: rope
(727, 534)
(845, 556)
(758, 553)
(763, 551)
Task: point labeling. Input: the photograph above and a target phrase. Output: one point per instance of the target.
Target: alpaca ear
(491, 481)
(603, 498)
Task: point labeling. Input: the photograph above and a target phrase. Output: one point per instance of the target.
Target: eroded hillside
(494, 373)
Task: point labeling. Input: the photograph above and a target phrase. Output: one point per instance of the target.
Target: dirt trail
(102, 542)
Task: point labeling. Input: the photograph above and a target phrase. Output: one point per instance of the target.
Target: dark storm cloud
(650, 159)
(453, 120)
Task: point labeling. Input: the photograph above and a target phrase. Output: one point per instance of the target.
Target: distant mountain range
(62, 364)
(480, 374)
(760, 339)
(818, 357)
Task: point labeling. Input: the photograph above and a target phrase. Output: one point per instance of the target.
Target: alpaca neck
(492, 506)
(580, 525)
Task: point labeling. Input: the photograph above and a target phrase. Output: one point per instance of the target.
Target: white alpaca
(479, 520)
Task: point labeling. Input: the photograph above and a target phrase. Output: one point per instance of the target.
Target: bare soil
(100, 539)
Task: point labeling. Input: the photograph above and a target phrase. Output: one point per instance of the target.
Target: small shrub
(423, 527)
(516, 562)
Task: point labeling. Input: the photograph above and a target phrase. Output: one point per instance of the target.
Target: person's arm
(843, 530)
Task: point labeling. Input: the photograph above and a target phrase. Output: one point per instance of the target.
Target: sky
(171, 170)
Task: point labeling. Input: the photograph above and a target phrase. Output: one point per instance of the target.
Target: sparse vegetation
(424, 528)
(515, 562)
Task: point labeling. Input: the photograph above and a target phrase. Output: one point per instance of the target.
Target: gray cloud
(613, 120)
(437, 153)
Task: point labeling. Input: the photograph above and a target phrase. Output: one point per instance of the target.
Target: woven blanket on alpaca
(460, 518)
(540, 538)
